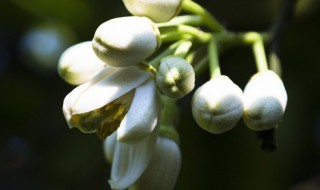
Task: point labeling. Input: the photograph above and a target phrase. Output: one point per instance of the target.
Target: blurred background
(39, 151)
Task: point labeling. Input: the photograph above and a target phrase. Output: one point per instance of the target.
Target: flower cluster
(134, 70)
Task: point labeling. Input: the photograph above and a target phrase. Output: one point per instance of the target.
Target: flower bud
(175, 77)
(217, 105)
(126, 41)
(78, 64)
(156, 10)
(265, 100)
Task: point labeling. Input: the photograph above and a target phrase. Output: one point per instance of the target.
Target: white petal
(116, 84)
(131, 160)
(143, 114)
(70, 100)
(109, 146)
(164, 167)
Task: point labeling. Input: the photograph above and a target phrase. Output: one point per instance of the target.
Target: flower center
(105, 120)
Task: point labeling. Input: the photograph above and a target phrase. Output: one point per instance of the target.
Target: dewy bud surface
(156, 10)
(78, 64)
(217, 105)
(126, 41)
(175, 77)
(265, 101)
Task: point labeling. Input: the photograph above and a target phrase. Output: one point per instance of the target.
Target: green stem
(197, 34)
(255, 39)
(190, 56)
(193, 20)
(243, 38)
(201, 65)
(146, 66)
(214, 59)
(170, 133)
(260, 56)
(169, 51)
(275, 64)
(169, 119)
(228, 40)
(183, 49)
(208, 19)
(174, 36)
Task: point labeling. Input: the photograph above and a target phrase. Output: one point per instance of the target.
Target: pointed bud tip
(175, 77)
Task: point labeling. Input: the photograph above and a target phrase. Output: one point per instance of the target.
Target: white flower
(163, 170)
(265, 101)
(129, 161)
(126, 41)
(78, 64)
(152, 164)
(217, 105)
(122, 99)
(175, 77)
(156, 10)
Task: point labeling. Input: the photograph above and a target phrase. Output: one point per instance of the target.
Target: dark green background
(38, 151)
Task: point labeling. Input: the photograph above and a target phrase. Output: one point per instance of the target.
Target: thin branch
(280, 26)
(269, 141)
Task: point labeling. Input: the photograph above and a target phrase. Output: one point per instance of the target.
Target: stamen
(112, 122)
(105, 120)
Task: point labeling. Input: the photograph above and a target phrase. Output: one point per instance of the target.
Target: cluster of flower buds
(219, 104)
(130, 78)
(118, 98)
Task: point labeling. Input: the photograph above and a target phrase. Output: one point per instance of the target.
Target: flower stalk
(259, 54)
(214, 59)
(208, 19)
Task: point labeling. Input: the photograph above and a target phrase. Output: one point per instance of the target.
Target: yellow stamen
(105, 120)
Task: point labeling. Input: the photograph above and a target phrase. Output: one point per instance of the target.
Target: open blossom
(122, 99)
(163, 169)
(129, 161)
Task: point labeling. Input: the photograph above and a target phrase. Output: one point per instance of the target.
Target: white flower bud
(156, 10)
(175, 77)
(78, 64)
(163, 169)
(217, 105)
(126, 41)
(265, 101)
